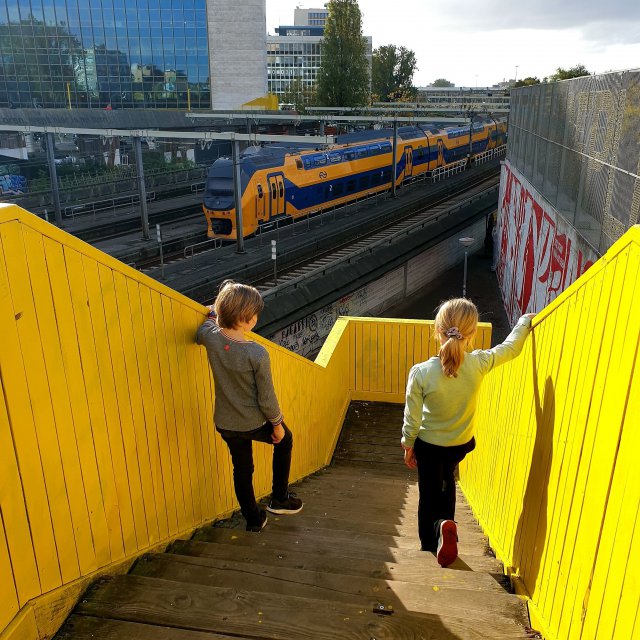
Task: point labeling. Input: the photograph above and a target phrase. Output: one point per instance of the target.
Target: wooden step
(365, 592)
(79, 627)
(268, 616)
(360, 548)
(426, 574)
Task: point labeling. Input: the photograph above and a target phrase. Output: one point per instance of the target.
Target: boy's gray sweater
(245, 397)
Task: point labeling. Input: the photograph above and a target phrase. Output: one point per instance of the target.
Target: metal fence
(578, 143)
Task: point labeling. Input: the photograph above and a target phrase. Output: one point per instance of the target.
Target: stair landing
(347, 566)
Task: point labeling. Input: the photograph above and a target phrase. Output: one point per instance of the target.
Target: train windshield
(219, 187)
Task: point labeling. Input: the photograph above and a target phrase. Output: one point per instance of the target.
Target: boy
(246, 407)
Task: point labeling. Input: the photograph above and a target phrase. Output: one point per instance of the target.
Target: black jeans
(241, 449)
(436, 466)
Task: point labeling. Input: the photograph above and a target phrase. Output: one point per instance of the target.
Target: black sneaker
(258, 527)
(288, 506)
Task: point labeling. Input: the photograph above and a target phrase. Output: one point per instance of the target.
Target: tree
(565, 74)
(343, 78)
(299, 95)
(442, 82)
(527, 82)
(38, 55)
(392, 73)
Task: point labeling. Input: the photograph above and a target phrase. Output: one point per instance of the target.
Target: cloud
(614, 21)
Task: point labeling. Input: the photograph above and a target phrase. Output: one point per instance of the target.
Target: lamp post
(516, 78)
(466, 243)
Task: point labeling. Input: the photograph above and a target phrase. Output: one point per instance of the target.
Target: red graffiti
(540, 253)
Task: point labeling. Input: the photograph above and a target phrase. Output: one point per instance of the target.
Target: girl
(441, 399)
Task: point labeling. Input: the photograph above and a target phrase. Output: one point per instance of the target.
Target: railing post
(144, 214)
(53, 176)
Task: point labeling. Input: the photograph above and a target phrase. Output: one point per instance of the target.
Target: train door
(408, 162)
(261, 208)
(440, 153)
(276, 195)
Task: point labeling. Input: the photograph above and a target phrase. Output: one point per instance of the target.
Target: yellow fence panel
(383, 351)
(108, 442)
(553, 480)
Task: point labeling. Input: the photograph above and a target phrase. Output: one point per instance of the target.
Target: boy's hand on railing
(278, 434)
(410, 458)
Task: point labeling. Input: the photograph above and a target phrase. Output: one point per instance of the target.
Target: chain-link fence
(578, 143)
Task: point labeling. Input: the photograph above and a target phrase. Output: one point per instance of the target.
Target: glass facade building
(104, 54)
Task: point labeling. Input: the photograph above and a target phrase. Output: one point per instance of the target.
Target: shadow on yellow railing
(107, 448)
(555, 479)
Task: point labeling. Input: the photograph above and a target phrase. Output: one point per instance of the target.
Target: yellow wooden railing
(555, 479)
(107, 447)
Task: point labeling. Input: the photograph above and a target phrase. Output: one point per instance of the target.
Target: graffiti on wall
(12, 185)
(306, 336)
(540, 253)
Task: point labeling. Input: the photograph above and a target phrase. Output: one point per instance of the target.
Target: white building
(296, 52)
(237, 33)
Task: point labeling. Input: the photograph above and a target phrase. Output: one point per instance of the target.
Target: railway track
(317, 264)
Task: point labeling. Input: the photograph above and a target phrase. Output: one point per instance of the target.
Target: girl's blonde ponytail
(455, 326)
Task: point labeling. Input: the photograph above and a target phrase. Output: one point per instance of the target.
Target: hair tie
(454, 332)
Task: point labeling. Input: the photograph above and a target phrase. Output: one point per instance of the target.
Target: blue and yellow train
(280, 182)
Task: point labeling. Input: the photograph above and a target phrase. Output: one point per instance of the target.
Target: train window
(349, 155)
(308, 163)
(363, 182)
(298, 163)
(273, 190)
(351, 186)
(335, 157)
(259, 191)
(281, 189)
(362, 153)
(386, 147)
(374, 149)
(320, 161)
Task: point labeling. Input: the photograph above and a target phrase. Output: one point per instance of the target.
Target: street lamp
(516, 78)
(466, 243)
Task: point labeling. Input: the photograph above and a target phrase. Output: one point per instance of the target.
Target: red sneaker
(447, 543)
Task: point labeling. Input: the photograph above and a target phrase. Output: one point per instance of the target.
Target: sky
(483, 43)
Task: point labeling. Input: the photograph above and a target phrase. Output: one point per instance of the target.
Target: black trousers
(436, 466)
(240, 445)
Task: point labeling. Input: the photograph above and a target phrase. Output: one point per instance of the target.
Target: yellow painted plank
(9, 605)
(22, 627)
(599, 293)
(148, 429)
(152, 326)
(142, 488)
(70, 411)
(120, 345)
(101, 302)
(18, 570)
(106, 498)
(166, 381)
(24, 418)
(389, 358)
(175, 374)
(607, 575)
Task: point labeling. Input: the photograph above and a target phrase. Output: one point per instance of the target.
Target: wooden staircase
(347, 566)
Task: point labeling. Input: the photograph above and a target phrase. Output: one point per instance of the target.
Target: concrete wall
(237, 51)
(307, 335)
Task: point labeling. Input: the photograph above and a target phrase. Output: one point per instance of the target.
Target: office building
(295, 53)
(167, 54)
